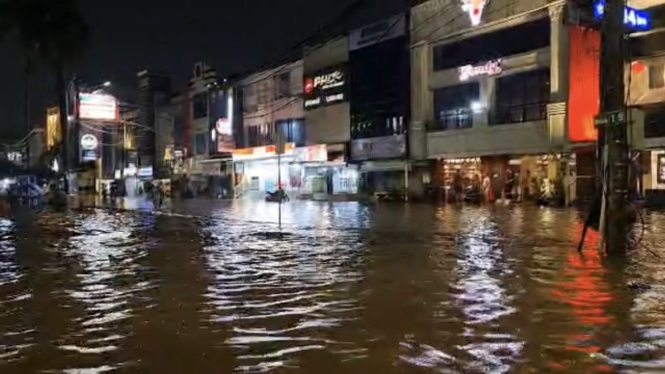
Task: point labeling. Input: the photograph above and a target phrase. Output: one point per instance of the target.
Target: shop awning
(387, 165)
(217, 160)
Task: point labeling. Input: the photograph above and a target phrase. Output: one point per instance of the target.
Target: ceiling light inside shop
(477, 107)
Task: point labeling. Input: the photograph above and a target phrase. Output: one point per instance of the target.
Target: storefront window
(452, 106)
(522, 97)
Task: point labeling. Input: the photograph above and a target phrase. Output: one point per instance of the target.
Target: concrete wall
(330, 124)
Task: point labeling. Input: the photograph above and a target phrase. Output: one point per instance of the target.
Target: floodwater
(214, 287)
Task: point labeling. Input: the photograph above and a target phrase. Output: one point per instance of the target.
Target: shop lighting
(477, 107)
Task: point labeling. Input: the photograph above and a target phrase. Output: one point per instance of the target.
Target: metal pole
(612, 100)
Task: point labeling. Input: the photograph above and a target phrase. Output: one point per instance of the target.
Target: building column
(559, 85)
(421, 101)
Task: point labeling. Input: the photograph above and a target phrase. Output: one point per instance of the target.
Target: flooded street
(214, 287)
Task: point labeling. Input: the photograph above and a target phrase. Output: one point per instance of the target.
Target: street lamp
(107, 84)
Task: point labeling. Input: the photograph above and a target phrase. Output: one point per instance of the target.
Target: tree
(52, 33)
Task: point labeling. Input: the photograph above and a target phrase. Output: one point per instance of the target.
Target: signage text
(470, 71)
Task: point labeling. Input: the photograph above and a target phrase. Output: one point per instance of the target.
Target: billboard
(101, 107)
(378, 148)
(326, 87)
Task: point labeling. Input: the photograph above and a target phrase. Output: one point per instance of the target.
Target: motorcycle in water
(278, 196)
(472, 195)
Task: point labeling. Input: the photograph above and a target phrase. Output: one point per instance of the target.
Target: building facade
(272, 118)
(487, 111)
(379, 68)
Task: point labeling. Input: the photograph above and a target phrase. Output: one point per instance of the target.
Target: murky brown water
(346, 289)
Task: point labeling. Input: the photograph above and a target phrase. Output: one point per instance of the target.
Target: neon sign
(490, 68)
(634, 18)
(474, 8)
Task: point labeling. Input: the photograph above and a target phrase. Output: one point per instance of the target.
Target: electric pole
(613, 129)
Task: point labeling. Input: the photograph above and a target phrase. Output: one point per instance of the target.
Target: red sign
(309, 85)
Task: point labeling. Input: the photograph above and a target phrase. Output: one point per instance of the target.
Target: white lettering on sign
(328, 81)
(335, 98)
(312, 102)
(490, 68)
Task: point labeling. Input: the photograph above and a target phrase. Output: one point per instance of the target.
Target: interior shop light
(477, 107)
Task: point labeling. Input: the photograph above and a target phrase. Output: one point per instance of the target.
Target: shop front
(260, 170)
(383, 165)
(535, 178)
(316, 172)
(653, 179)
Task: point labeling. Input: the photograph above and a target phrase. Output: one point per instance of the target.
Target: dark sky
(170, 35)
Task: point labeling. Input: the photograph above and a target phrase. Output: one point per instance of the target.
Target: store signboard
(378, 148)
(633, 18)
(474, 8)
(268, 151)
(326, 87)
(314, 153)
(492, 67)
(89, 144)
(97, 106)
(379, 32)
(225, 141)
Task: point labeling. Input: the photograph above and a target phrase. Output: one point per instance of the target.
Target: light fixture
(107, 84)
(476, 107)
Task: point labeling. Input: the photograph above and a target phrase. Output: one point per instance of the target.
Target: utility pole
(613, 129)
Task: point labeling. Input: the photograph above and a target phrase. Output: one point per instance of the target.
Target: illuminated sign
(267, 151)
(470, 71)
(223, 126)
(325, 87)
(634, 18)
(89, 142)
(53, 133)
(98, 107)
(313, 153)
(474, 8)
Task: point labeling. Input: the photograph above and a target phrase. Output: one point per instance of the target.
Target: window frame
(455, 104)
(521, 97)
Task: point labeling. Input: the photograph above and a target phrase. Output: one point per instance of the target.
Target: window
(293, 130)
(200, 105)
(522, 97)
(283, 85)
(260, 135)
(200, 143)
(654, 122)
(657, 76)
(523, 38)
(452, 106)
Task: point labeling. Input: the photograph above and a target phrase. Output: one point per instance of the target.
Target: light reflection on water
(212, 287)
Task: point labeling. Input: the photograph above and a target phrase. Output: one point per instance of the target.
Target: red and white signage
(474, 8)
(313, 153)
(490, 68)
(267, 151)
(99, 107)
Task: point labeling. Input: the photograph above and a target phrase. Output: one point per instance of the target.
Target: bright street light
(107, 84)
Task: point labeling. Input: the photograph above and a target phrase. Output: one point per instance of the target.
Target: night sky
(170, 35)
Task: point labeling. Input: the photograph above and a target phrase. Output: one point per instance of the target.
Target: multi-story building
(153, 90)
(646, 95)
(272, 107)
(489, 89)
(505, 92)
(326, 91)
(380, 104)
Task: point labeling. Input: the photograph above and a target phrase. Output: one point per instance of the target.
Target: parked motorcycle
(278, 196)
